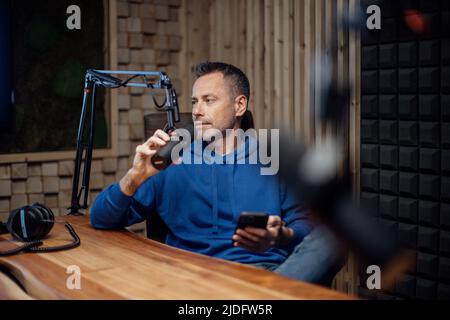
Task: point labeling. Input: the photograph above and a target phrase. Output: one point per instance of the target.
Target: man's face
(214, 105)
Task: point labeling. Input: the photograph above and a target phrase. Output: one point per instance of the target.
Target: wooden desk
(122, 265)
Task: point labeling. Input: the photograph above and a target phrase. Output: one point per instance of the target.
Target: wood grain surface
(117, 264)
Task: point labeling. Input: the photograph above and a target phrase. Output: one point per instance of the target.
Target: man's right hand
(142, 167)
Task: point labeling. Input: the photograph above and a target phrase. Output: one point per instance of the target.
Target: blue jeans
(316, 259)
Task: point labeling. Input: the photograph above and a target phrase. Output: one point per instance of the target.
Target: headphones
(31, 224)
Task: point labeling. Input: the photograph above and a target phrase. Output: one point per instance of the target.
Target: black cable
(24, 247)
(123, 83)
(3, 228)
(74, 244)
(33, 246)
(159, 106)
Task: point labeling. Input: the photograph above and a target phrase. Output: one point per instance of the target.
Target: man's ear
(240, 105)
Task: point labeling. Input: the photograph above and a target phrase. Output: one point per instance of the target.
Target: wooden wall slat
(257, 61)
(242, 36)
(214, 28)
(183, 58)
(226, 23)
(297, 56)
(278, 62)
(220, 30)
(268, 63)
(354, 142)
(338, 72)
(236, 32)
(287, 71)
(318, 27)
(305, 122)
(249, 66)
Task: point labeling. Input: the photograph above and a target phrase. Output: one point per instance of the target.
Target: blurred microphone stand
(320, 175)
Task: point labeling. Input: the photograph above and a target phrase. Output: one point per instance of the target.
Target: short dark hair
(239, 80)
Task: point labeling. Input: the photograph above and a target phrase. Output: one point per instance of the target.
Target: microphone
(163, 158)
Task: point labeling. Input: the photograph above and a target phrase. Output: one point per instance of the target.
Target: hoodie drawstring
(215, 201)
(232, 197)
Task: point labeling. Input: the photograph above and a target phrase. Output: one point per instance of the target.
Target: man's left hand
(258, 239)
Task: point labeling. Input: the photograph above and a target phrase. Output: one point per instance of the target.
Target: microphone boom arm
(105, 78)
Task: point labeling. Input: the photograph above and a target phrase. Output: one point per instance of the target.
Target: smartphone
(252, 219)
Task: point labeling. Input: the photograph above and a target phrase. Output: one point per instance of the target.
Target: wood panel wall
(278, 44)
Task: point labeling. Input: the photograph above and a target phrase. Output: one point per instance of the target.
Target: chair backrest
(156, 228)
(155, 121)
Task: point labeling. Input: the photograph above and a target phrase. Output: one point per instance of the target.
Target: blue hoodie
(201, 203)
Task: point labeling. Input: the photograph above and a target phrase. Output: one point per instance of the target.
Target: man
(201, 203)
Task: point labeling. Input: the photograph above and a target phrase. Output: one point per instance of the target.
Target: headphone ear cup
(48, 217)
(12, 222)
(25, 224)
